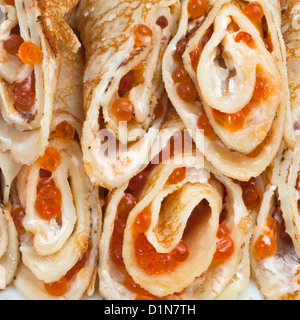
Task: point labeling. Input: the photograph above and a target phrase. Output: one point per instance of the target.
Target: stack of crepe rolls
(177, 230)
(30, 33)
(123, 85)
(9, 243)
(58, 210)
(225, 73)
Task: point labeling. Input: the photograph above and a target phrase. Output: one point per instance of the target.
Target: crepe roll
(274, 249)
(60, 210)
(225, 73)
(123, 90)
(177, 230)
(30, 35)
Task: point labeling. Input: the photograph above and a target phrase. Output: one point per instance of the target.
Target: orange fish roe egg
(254, 11)
(266, 244)
(51, 159)
(64, 131)
(142, 34)
(123, 109)
(30, 53)
(245, 37)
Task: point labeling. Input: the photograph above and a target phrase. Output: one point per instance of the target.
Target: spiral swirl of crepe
(112, 54)
(24, 132)
(52, 250)
(291, 32)
(277, 230)
(238, 71)
(171, 207)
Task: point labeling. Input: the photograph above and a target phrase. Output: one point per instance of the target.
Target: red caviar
(233, 122)
(142, 222)
(57, 288)
(180, 48)
(24, 94)
(162, 21)
(64, 131)
(10, 2)
(30, 53)
(195, 54)
(12, 44)
(142, 34)
(126, 83)
(254, 11)
(158, 111)
(266, 244)
(123, 109)
(262, 89)
(180, 74)
(203, 124)
(18, 214)
(126, 204)
(197, 8)
(225, 245)
(245, 37)
(251, 195)
(181, 252)
(178, 175)
(187, 91)
(48, 202)
(137, 182)
(50, 160)
(151, 261)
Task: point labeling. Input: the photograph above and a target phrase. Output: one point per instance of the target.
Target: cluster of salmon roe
(225, 245)
(49, 199)
(235, 121)
(184, 85)
(123, 108)
(251, 195)
(266, 244)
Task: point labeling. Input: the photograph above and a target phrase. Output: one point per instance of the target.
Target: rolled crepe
(225, 74)
(30, 34)
(275, 243)
(122, 83)
(9, 243)
(164, 229)
(62, 220)
(290, 10)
